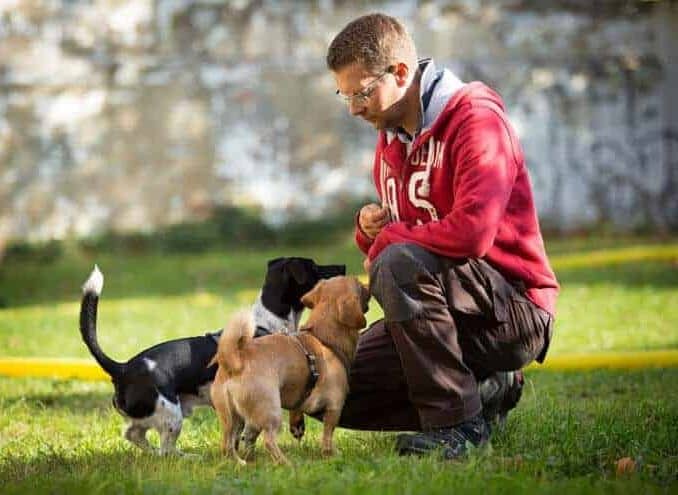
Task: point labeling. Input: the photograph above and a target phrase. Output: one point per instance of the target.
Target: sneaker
(453, 442)
(500, 393)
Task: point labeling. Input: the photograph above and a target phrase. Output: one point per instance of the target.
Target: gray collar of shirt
(442, 85)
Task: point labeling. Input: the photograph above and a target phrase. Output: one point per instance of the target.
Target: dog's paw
(298, 429)
(248, 455)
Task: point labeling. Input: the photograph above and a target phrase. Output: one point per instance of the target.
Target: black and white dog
(278, 307)
(160, 386)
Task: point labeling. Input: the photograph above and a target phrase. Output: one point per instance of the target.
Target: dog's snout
(364, 297)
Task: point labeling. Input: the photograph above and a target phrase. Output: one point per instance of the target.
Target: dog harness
(311, 360)
(345, 360)
(312, 367)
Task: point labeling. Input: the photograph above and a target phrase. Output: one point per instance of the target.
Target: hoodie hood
(436, 88)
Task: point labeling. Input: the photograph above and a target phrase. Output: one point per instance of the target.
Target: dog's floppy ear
(274, 261)
(301, 270)
(350, 311)
(311, 298)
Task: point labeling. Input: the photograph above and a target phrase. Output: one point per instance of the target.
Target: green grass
(63, 436)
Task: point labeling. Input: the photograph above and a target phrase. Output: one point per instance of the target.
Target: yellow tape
(85, 369)
(611, 360)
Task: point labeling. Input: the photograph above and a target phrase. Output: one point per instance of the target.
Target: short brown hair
(375, 41)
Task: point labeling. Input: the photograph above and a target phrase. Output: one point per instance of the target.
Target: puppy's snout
(364, 298)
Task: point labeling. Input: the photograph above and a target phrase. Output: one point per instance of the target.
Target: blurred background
(216, 119)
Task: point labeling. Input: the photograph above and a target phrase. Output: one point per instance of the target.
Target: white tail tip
(95, 282)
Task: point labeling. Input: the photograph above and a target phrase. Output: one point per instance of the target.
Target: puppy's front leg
(168, 439)
(137, 435)
(297, 425)
(330, 421)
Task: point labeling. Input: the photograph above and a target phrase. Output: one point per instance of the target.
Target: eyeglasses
(364, 94)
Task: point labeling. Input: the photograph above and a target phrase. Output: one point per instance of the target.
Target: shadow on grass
(126, 469)
(85, 472)
(64, 401)
(122, 471)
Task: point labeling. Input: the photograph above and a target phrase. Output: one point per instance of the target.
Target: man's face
(375, 97)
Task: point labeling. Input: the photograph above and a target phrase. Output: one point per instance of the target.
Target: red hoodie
(463, 191)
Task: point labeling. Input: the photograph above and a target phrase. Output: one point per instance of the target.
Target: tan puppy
(256, 378)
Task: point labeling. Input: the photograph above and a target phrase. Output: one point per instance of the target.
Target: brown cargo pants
(448, 325)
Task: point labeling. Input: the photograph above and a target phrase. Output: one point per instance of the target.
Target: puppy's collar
(261, 331)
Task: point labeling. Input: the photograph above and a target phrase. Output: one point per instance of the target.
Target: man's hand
(373, 218)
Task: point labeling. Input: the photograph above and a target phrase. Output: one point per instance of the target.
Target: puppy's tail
(91, 290)
(238, 332)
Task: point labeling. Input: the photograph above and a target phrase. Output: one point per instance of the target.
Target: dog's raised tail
(91, 290)
(238, 332)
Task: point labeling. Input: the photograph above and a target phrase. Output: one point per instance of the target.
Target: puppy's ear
(311, 298)
(350, 311)
(301, 270)
(274, 261)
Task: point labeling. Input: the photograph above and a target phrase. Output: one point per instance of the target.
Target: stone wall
(129, 115)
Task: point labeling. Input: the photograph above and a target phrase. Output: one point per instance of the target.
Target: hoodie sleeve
(485, 171)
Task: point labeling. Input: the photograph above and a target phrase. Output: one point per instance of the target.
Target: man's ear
(350, 311)
(311, 298)
(402, 73)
